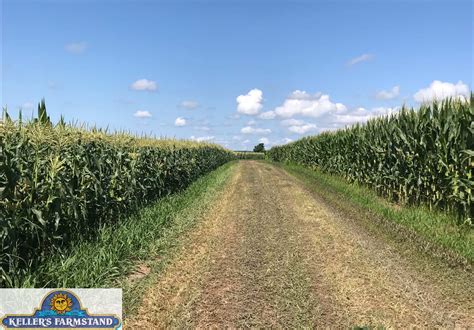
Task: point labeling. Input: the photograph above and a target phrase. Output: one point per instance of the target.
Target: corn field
(60, 183)
(423, 156)
(249, 155)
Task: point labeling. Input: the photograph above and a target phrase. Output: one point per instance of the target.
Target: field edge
(138, 241)
(434, 233)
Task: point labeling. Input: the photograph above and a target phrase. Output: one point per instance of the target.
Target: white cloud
(383, 111)
(283, 141)
(361, 115)
(298, 126)
(388, 95)
(144, 85)
(246, 141)
(359, 59)
(264, 140)
(251, 122)
(253, 130)
(76, 47)
(292, 122)
(189, 104)
(302, 103)
(328, 129)
(351, 119)
(202, 138)
(302, 129)
(237, 137)
(251, 103)
(142, 114)
(267, 115)
(180, 121)
(439, 90)
(302, 95)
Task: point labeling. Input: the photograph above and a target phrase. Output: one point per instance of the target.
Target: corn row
(61, 183)
(249, 155)
(423, 156)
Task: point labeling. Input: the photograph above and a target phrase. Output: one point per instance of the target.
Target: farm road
(272, 254)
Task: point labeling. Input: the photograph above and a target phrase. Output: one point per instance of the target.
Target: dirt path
(272, 254)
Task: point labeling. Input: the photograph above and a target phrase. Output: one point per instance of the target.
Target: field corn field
(83, 207)
(249, 155)
(60, 183)
(417, 157)
(227, 165)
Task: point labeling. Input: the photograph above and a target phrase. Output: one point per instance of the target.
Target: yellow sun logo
(61, 303)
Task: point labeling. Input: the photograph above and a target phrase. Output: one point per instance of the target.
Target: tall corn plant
(60, 183)
(423, 156)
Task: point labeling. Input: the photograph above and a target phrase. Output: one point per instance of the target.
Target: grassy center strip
(148, 237)
(430, 230)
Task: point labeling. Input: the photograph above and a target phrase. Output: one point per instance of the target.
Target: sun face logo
(61, 303)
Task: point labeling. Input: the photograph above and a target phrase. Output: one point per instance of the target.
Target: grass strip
(430, 229)
(153, 231)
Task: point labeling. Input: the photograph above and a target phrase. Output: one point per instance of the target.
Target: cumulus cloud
(142, 114)
(251, 122)
(302, 103)
(180, 121)
(189, 104)
(361, 115)
(250, 103)
(144, 85)
(282, 141)
(388, 95)
(202, 138)
(302, 129)
(264, 140)
(360, 59)
(439, 90)
(267, 115)
(254, 130)
(76, 47)
(298, 126)
(383, 111)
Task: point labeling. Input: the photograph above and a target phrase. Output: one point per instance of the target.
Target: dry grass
(270, 253)
(166, 302)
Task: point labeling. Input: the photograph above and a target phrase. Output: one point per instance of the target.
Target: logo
(60, 309)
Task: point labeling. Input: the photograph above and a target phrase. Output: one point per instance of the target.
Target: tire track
(272, 254)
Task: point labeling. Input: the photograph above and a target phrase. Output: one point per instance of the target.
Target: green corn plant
(249, 155)
(60, 183)
(419, 156)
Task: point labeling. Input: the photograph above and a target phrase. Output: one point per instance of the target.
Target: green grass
(151, 232)
(433, 230)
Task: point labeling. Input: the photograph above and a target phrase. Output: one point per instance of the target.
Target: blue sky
(177, 69)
